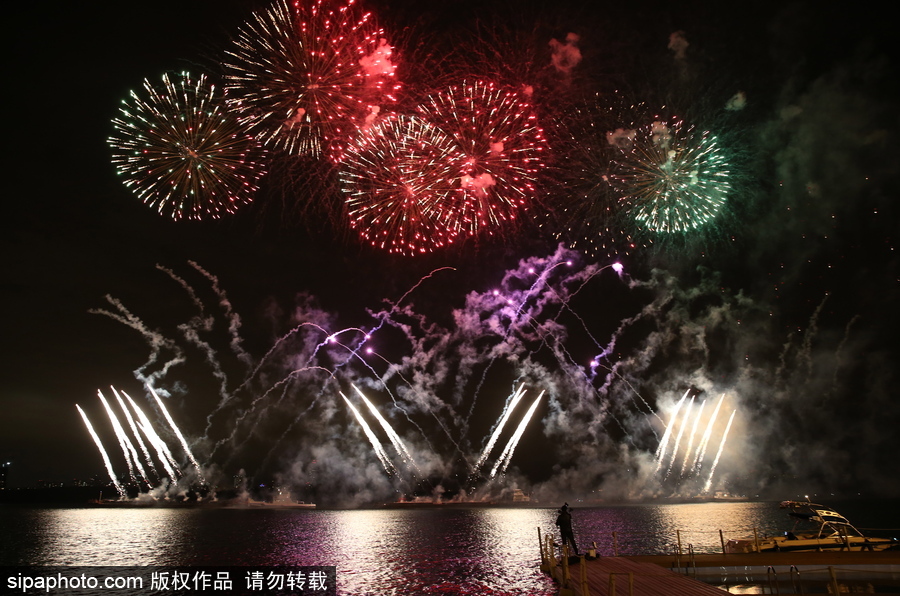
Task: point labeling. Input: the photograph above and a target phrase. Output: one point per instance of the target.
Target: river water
(490, 551)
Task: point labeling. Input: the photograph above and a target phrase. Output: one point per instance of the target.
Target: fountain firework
(103, 454)
(526, 330)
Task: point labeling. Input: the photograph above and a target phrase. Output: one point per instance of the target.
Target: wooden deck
(608, 576)
(651, 575)
(823, 559)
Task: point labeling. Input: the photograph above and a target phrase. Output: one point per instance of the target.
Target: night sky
(786, 304)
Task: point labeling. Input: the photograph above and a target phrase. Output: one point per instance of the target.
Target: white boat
(816, 528)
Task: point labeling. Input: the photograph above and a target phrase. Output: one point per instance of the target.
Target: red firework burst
(503, 151)
(399, 178)
(305, 75)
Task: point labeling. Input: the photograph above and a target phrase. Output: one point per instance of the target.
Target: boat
(816, 528)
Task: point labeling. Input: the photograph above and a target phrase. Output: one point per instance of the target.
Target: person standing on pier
(564, 521)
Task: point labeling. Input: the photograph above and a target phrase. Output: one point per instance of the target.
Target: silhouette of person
(564, 521)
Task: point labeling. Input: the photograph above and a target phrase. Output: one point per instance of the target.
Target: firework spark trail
(417, 284)
(354, 353)
(184, 443)
(564, 301)
(234, 320)
(664, 442)
(623, 326)
(330, 340)
(719, 452)
(247, 411)
(684, 423)
(586, 276)
(162, 450)
(503, 461)
(402, 451)
(197, 323)
(515, 317)
(128, 449)
(613, 372)
(135, 432)
(379, 450)
(383, 379)
(190, 292)
(275, 346)
(690, 446)
(804, 356)
(507, 412)
(547, 295)
(106, 462)
(283, 382)
(704, 441)
(155, 339)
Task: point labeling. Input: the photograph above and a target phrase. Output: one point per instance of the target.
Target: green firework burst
(182, 152)
(670, 177)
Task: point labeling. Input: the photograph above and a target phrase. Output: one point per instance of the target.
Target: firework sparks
(671, 177)
(505, 457)
(391, 433)
(690, 445)
(162, 450)
(181, 439)
(398, 181)
(106, 462)
(588, 216)
(376, 444)
(304, 75)
(182, 153)
(128, 450)
(504, 150)
(715, 464)
(134, 431)
(704, 441)
(664, 442)
(684, 423)
(507, 412)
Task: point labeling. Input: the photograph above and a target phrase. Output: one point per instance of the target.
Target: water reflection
(644, 529)
(98, 537)
(388, 551)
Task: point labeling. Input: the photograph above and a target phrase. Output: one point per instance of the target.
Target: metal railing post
(835, 587)
(770, 573)
(798, 584)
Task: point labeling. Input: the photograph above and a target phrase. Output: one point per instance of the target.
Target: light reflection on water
(378, 552)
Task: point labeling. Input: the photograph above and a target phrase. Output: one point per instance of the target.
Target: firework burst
(182, 152)
(504, 150)
(670, 177)
(304, 76)
(587, 214)
(398, 179)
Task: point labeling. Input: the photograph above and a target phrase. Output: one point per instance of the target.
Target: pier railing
(784, 577)
(678, 542)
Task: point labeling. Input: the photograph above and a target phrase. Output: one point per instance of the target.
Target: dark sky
(787, 306)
